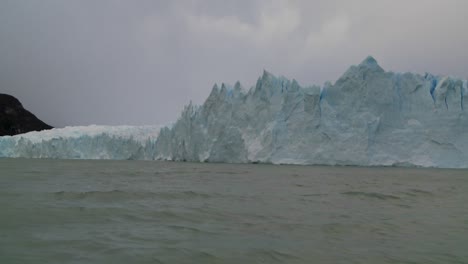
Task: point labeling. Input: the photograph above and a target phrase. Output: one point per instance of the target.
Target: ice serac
(83, 142)
(368, 117)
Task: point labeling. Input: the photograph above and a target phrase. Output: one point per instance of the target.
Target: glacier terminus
(83, 142)
(368, 117)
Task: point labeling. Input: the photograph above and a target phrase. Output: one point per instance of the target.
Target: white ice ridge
(83, 142)
(368, 117)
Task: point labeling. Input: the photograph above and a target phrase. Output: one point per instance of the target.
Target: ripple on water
(372, 195)
(272, 256)
(418, 192)
(115, 195)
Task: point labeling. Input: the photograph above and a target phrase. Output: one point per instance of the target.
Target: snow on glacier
(368, 117)
(83, 142)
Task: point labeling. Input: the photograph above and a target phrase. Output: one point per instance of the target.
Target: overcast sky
(139, 62)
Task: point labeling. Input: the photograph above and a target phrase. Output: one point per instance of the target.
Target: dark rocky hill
(14, 119)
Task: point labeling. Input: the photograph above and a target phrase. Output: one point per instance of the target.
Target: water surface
(74, 211)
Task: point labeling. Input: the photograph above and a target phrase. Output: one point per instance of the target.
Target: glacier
(83, 142)
(368, 117)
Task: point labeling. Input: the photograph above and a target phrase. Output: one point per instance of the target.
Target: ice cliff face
(88, 142)
(368, 117)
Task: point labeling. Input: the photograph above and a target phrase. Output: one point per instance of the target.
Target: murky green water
(54, 211)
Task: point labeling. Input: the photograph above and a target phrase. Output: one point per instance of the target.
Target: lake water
(73, 211)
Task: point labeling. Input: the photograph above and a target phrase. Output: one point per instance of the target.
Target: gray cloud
(138, 62)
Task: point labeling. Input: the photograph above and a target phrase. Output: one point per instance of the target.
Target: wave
(418, 192)
(374, 195)
(271, 255)
(126, 195)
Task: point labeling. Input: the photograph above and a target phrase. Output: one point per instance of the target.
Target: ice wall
(368, 117)
(85, 142)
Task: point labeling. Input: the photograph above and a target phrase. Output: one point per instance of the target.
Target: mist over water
(78, 211)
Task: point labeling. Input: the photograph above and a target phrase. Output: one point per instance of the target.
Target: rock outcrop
(14, 119)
